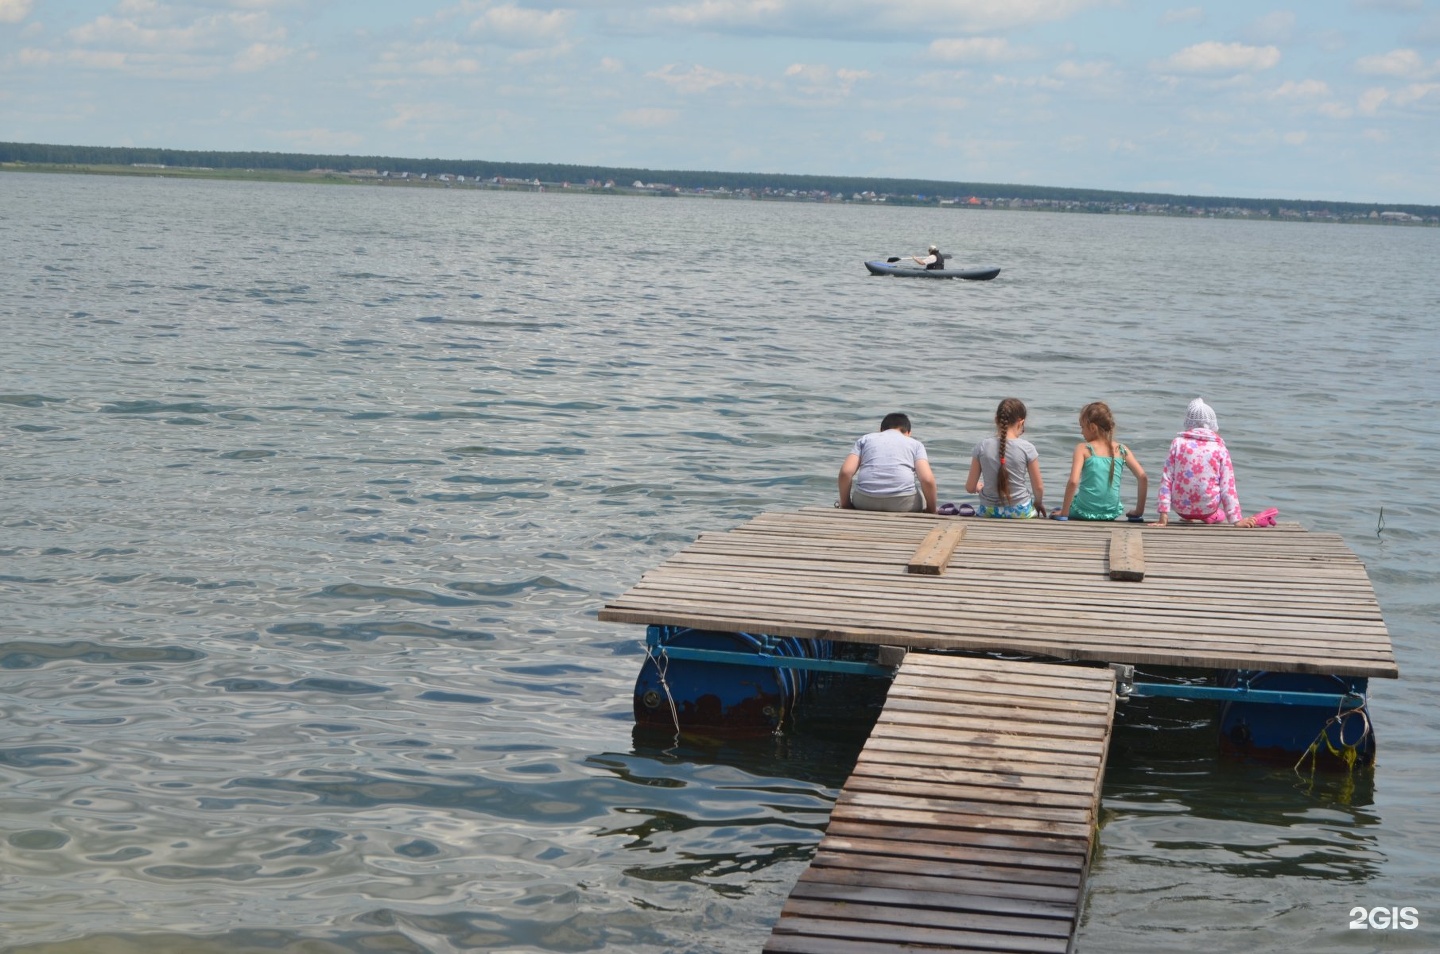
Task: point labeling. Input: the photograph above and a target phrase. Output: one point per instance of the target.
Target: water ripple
(311, 496)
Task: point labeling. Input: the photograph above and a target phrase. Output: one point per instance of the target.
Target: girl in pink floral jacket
(1198, 479)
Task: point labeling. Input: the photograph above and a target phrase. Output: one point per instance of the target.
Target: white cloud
(409, 116)
(976, 49)
(872, 135)
(1185, 15)
(219, 31)
(1372, 99)
(429, 59)
(1414, 93)
(1070, 70)
(721, 13)
(1305, 89)
(1214, 57)
(30, 56)
(819, 79)
(13, 11)
(702, 79)
(526, 57)
(1394, 63)
(517, 26)
(649, 118)
(813, 18)
(1295, 138)
(1274, 27)
(258, 56)
(174, 66)
(321, 140)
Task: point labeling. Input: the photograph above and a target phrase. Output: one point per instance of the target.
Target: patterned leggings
(1021, 511)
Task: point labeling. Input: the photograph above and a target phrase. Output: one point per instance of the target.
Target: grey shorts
(904, 503)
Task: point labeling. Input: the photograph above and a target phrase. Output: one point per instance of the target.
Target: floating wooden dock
(968, 822)
(1281, 599)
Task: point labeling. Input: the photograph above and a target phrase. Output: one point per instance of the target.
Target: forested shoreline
(133, 160)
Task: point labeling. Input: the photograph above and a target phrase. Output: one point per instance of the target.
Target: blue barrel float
(723, 695)
(1331, 738)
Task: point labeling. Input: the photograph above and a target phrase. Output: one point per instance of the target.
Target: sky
(1311, 99)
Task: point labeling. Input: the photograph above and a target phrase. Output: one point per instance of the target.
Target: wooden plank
(1232, 649)
(1042, 850)
(901, 857)
(986, 781)
(795, 937)
(1028, 865)
(1127, 556)
(912, 741)
(956, 894)
(1267, 598)
(899, 937)
(1344, 584)
(846, 910)
(934, 552)
(945, 894)
(866, 796)
(968, 823)
(1235, 654)
(1015, 614)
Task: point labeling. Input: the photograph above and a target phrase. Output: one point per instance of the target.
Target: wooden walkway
(1278, 598)
(970, 817)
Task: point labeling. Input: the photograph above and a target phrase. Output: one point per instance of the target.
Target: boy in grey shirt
(888, 470)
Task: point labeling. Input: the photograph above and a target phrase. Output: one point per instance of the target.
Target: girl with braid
(1005, 469)
(1093, 491)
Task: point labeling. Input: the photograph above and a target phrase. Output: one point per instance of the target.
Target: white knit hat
(1199, 414)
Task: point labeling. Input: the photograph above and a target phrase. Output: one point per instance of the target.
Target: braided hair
(1097, 414)
(1010, 412)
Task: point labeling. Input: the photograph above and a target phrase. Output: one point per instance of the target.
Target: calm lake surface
(310, 495)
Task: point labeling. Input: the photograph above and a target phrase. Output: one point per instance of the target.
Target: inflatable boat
(906, 268)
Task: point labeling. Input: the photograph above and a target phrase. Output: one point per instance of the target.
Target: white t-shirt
(887, 463)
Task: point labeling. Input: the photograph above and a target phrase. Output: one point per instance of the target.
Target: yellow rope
(1347, 752)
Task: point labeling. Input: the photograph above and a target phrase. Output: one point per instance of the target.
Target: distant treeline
(735, 181)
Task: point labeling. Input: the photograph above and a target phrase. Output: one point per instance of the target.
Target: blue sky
(1320, 99)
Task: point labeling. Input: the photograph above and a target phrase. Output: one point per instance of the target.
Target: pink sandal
(1266, 518)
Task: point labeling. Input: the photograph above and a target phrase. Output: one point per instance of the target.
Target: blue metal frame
(765, 657)
(1241, 693)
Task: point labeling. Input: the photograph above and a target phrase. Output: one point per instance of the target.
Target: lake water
(310, 495)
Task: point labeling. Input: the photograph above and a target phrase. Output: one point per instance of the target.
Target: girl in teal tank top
(1093, 491)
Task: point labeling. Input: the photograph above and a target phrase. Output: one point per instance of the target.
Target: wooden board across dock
(1276, 598)
(968, 822)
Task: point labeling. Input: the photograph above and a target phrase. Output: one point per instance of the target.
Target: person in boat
(888, 470)
(1198, 480)
(934, 260)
